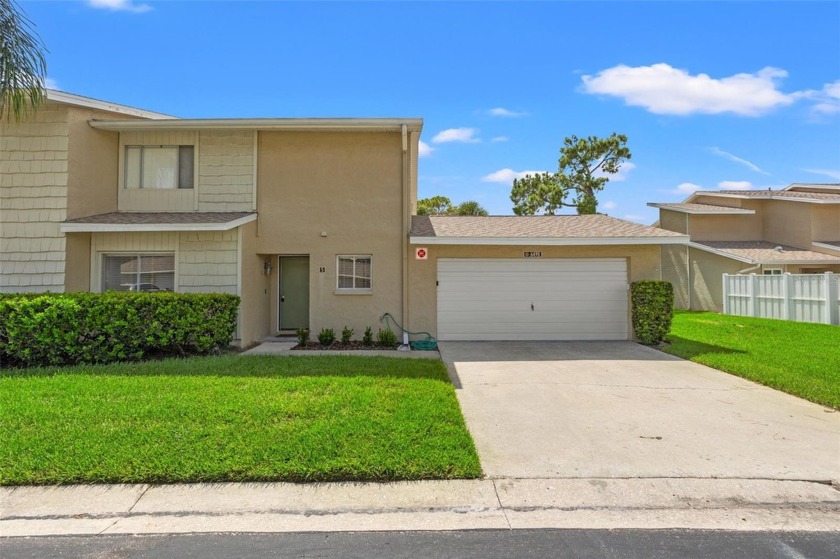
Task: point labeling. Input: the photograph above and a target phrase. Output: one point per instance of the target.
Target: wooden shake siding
(226, 171)
(33, 201)
(205, 261)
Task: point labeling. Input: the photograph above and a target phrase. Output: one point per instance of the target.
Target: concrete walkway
(622, 410)
(746, 505)
(282, 346)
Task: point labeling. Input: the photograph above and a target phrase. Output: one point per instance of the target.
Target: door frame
(279, 259)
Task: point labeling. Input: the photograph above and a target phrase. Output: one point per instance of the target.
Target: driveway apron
(622, 410)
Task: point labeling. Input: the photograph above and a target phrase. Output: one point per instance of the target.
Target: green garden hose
(426, 344)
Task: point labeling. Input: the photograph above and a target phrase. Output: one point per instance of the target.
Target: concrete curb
(729, 504)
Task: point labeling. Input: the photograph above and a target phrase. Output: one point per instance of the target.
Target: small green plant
(653, 308)
(367, 339)
(346, 335)
(303, 336)
(386, 338)
(326, 336)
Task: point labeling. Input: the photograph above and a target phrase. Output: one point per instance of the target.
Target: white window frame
(772, 271)
(101, 263)
(352, 290)
(142, 147)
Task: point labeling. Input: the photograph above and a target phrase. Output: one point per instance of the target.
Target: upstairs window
(354, 273)
(159, 167)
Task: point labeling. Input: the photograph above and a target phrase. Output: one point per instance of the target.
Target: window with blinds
(354, 273)
(159, 167)
(138, 272)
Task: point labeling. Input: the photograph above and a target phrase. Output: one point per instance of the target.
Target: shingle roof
(768, 253)
(830, 197)
(693, 208)
(158, 221)
(534, 227)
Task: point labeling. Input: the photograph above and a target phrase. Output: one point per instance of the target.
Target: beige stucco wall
(643, 263)
(673, 221)
(825, 222)
(787, 223)
(706, 279)
(93, 165)
(675, 270)
(256, 289)
(727, 227)
(348, 187)
(33, 200)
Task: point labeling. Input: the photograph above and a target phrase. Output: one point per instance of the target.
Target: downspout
(750, 269)
(406, 220)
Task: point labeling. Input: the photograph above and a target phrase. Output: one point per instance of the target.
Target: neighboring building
(795, 230)
(309, 221)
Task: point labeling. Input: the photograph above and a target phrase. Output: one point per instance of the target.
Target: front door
(294, 292)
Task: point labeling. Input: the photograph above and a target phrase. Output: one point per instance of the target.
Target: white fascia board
(826, 245)
(289, 124)
(80, 101)
(733, 211)
(550, 241)
(691, 198)
(153, 227)
(725, 254)
(827, 262)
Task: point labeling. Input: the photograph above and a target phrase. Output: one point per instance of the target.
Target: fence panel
(798, 297)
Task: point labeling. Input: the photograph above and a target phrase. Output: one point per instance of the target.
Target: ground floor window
(354, 273)
(138, 272)
(772, 271)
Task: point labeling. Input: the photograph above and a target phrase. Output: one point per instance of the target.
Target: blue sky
(711, 95)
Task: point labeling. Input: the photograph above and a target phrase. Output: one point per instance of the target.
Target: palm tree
(23, 67)
(470, 207)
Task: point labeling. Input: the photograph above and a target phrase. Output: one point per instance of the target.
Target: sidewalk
(736, 504)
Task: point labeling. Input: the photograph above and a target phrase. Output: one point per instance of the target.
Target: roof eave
(153, 227)
(90, 103)
(733, 211)
(288, 124)
(550, 241)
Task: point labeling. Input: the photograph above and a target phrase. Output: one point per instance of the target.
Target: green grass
(795, 357)
(234, 418)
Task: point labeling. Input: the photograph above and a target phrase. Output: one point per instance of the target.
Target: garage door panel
(573, 299)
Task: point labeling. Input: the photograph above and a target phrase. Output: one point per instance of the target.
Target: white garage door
(534, 299)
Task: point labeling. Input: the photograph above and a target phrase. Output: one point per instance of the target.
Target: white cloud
(621, 175)
(501, 111)
(832, 173)
(465, 135)
(726, 155)
(662, 89)
(498, 139)
(687, 188)
(120, 5)
(734, 185)
(50, 83)
(609, 205)
(827, 101)
(637, 218)
(424, 149)
(507, 175)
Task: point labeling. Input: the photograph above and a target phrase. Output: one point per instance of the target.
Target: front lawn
(796, 357)
(234, 418)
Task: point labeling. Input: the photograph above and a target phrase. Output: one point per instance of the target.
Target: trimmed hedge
(84, 328)
(653, 308)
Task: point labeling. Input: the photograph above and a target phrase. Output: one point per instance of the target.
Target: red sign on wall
(421, 254)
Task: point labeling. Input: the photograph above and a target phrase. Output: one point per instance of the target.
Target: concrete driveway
(622, 410)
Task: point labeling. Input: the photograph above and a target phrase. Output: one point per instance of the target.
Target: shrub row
(84, 328)
(327, 337)
(653, 308)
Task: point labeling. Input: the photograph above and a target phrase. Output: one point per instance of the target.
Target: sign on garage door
(533, 299)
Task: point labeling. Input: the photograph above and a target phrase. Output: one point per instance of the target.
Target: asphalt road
(484, 544)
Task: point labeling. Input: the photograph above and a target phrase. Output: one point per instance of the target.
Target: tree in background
(441, 205)
(584, 166)
(23, 67)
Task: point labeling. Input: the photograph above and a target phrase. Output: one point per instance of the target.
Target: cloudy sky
(711, 95)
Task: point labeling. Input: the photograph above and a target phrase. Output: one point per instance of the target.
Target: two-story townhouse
(309, 221)
(794, 230)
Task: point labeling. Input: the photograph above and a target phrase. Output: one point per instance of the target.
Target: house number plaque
(532, 254)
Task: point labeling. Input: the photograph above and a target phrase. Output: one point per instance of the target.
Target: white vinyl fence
(797, 297)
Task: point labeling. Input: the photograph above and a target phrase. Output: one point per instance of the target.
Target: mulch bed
(338, 346)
